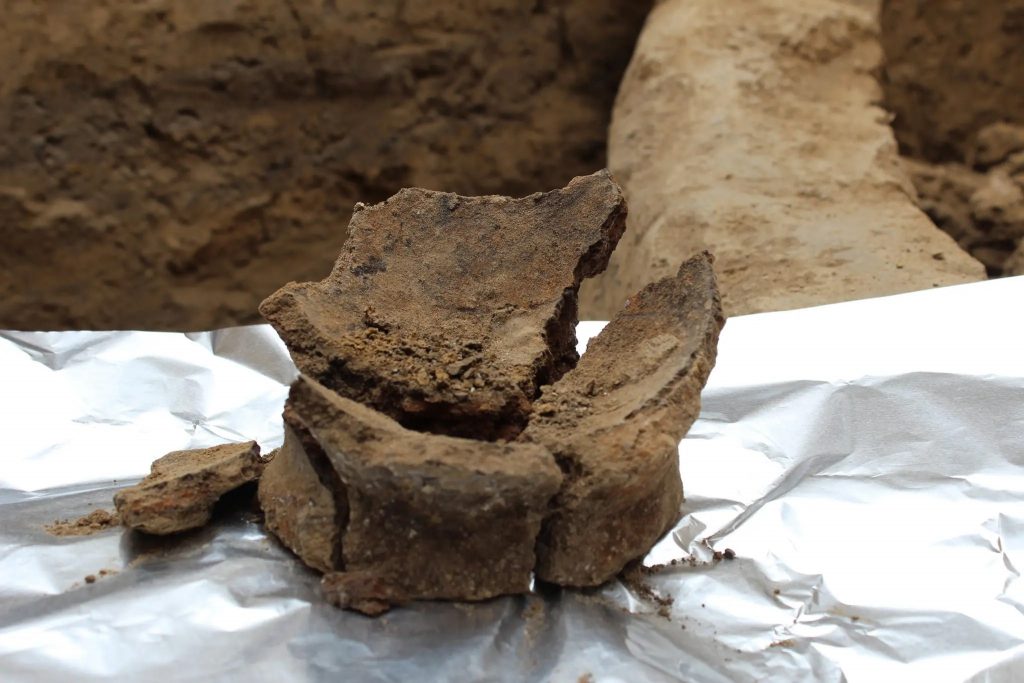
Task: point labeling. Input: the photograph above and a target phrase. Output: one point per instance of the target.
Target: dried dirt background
(954, 78)
(168, 164)
(754, 129)
(952, 68)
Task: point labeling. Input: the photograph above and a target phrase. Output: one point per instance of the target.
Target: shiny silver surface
(863, 460)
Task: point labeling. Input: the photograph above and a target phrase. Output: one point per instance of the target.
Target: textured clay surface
(952, 68)
(166, 164)
(752, 128)
(183, 486)
(446, 312)
(614, 424)
(303, 500)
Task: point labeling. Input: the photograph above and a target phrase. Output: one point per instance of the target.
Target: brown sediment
(166, 165)
(979, 199)
(92, 523)
(788, 642)
(634, 577)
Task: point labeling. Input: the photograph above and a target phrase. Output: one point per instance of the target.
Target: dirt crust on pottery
(429, 516)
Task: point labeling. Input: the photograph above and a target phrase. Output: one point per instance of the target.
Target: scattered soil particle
(533, 619)
(691, 561)
(729, 554)
(102, 573)
(633, 577)
(86, 525)
(788, 642)
(533, 616)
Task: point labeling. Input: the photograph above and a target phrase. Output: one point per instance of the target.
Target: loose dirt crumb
(586, 678)
(86, 525)
(91, 578)
(788, 642)
(533, 615)
(533, 611)
(633, 576)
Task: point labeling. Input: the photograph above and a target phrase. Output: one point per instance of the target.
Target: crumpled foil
(862, 461)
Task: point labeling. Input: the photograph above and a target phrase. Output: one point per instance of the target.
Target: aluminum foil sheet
(862, 460)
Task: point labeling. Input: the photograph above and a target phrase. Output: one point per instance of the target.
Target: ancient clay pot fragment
(183, 486)
(303, 499)
(614, 424)
(446, 312)
(441, 321)
(429, 516)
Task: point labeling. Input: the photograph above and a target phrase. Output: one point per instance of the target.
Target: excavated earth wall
(954, 78)
(168, 164)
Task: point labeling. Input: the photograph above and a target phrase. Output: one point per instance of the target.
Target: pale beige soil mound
(753, 128)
